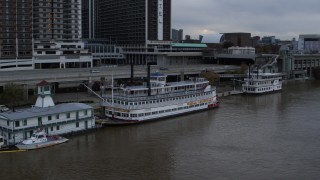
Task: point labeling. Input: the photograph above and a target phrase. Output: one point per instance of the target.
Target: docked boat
(258, 82)
(40, 139)
(159, 99)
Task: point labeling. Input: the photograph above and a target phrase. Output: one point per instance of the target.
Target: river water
(273, 136)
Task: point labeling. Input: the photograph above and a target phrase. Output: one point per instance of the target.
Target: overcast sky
(284, 19)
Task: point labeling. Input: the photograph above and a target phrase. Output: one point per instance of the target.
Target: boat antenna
(249, 71)
(148, 78)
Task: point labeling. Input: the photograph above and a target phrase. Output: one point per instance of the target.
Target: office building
(39, 34)
(57, 35)
(133, 22)
(309, 43)
(15, 32)
(268, 40)
(88, 16)
(177, 35)
(237, 39)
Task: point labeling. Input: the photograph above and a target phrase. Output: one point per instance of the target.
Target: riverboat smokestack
(131, 72)
(148, 80)
(148, 77)
(249, 71)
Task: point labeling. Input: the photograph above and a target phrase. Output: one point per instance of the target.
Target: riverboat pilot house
(15, 126)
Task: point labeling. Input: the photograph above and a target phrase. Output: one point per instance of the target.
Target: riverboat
(159, 99)
(40, 140)
(258, 82)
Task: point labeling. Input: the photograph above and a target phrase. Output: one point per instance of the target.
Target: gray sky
(284, 19)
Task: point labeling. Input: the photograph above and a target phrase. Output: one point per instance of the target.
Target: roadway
(32, 77)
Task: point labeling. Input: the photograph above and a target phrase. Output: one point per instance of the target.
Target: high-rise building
(88, 18)
(38, 34)
(15, 29)
(57, 35)
(177, 35)
(131, 22)
(58, 20)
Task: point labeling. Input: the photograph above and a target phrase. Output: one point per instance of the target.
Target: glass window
(17, 123)
(25, 122)
(49, 118)
(68, 115)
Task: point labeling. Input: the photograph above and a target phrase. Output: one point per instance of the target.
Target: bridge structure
(32, 77)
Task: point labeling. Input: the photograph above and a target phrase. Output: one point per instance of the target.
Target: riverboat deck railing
(158, 104)
(145, 97)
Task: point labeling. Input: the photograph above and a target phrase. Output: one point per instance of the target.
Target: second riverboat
(159, 99)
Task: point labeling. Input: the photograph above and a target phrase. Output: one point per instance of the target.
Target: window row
(158, 101)
(155, 112)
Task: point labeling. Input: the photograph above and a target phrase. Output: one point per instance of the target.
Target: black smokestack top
(131, 72)
(148, 78)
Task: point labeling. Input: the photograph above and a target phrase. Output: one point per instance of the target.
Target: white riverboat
(160, 99)
(40, 140)
(258, 82)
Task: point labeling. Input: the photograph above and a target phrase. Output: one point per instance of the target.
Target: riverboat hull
(119, 121)
(50, 142)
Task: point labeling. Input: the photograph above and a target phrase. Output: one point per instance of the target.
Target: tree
(211, 76)
(12, 94)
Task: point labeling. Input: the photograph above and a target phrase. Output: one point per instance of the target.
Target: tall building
(36, 34)
(177, 35)
(58, 20)
(57, 33)
(15, 30)
(88, 8)
(133, 22)
(268, 40)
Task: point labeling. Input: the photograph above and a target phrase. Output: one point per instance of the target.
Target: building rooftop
(189, 45)
(37, 112)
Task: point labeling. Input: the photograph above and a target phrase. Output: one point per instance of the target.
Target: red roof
(43, 83)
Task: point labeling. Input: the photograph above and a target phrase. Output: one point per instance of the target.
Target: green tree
(12, 94)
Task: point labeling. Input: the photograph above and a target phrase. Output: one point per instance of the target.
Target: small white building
(54, 119)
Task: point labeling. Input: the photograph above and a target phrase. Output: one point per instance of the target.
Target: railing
(158, 104)
(144, 97)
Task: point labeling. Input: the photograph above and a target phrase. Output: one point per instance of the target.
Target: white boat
(40, 139)
(258, 82)
(159, 99)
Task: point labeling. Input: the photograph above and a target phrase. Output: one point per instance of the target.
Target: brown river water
(273, 136)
